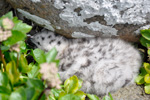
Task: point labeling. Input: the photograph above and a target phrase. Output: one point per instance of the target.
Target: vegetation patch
(144, 76)
(38, 80)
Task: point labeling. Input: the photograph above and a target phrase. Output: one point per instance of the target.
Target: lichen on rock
(75, 12)
(114, 11)
(111, 18)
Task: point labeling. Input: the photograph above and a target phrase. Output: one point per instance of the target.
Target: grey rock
(132, 92)
(88, 18)
(4, 7)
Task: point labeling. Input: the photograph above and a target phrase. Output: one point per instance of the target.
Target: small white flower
(49, 72)
(4, 35)
(7, 24)
(15, 47)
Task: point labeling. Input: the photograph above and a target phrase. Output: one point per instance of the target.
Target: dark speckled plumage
(104, 65)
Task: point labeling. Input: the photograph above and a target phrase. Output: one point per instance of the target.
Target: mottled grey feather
(104, 65)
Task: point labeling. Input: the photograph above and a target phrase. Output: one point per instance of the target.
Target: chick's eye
(49, 36)
(58, 42)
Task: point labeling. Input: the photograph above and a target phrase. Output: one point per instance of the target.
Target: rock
(4, 7)
(132, 92)
(88, 18)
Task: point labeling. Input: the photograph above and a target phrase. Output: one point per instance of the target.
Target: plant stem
(2, 58)
(43, 92)
(17, 59)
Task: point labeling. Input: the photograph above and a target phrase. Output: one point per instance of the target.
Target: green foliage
(19, 30)
(8, 15)
(3, 79)
(51, 55)
(34, 70)
(71, 91)
(144, 76)
(12, 72)
(18, 94)
(146, 34)
(108, 97)
(20, 27)
(145, 39)
(16, 36)
(92, 97)
(71, 85)
(40, 56)
(20, 80)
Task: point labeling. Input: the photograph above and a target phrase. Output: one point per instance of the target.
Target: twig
(2, 58)
(17, 59)
(43, 92)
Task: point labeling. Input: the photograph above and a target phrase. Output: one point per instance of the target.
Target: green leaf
(23, 47)
(38, 86)
(146, 34)
(56, 92)
(140, 80)
(36, 83)
(71, 85)
(143, 71)
(18, 94)
(148, 45)
(4, 48)
(34, 70)
(80, 83)
(57, 62)
(80, 94)
(30, 91)
(20, 26)
(39, 56)
(62, 94)
(51, 98)
(3, 79)
(92, 97)
(69, 97)
(8, 15)
(107, 97)
(16, 36)
(4, 96)
(13, 56)
(144, 41)
(147, 67)
(33, 93)
(147, 78)
(12, 72)
(148, 51)
(51, 55)
(111, 98)
(23, 64)
(4, 90)
(147, 89)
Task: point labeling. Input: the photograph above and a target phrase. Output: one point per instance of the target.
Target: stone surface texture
(88, 18)
(132, 92)
(4, 7)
